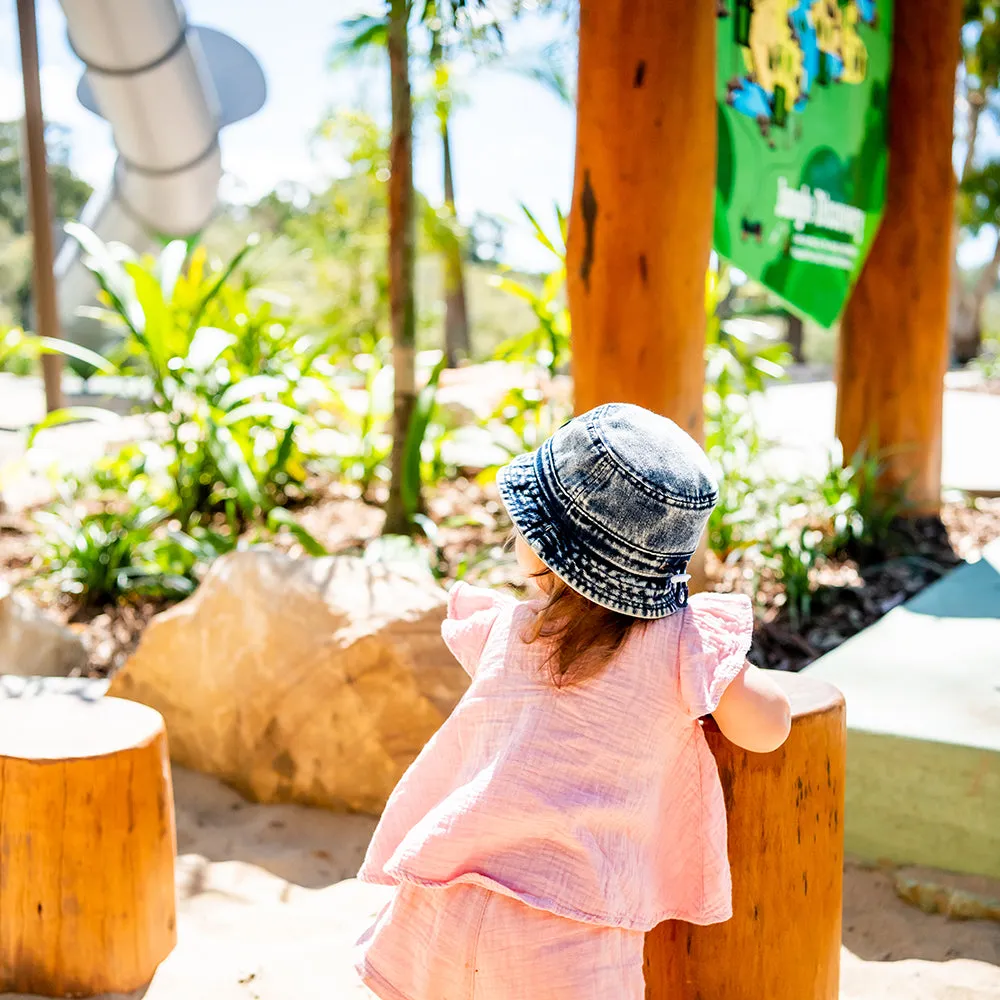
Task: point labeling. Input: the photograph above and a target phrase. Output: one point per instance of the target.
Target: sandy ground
(269, 911)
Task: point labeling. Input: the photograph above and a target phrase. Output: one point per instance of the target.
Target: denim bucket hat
(614, 504)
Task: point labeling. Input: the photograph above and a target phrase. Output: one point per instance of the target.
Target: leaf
(516, 288)
(260, 408)
(169, 266)
(53, 345)
(220, 283)
(362, 35)
(256, 385)
(109, 271)
(419, 419)
(540, 233)
(278, 518)
(283, 453)
(208, 343)
(73, 414)
(150, 517)
(234, 469)
(155, 321)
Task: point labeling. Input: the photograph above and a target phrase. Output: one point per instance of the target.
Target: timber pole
(640, 229)
(894, 336)
(43, 274)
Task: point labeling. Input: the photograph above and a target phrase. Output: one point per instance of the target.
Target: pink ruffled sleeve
(715, 638)
(472, 612)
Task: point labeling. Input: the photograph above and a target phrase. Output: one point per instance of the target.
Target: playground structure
(167, 89)
(636, 287)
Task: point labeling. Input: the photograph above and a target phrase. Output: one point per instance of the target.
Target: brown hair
(584, 635)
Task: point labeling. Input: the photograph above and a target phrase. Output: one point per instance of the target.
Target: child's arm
(754, 712)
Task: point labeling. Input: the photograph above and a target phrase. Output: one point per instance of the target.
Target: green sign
(802, 89)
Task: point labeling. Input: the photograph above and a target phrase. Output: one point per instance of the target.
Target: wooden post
(894, 335)
(43, 275)
(86, 846)
(640, 228)
(786, 848)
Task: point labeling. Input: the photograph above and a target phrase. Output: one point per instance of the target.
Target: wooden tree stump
(786, 850)
(87, 846)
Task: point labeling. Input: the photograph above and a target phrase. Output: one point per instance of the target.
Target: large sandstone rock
(33, 644)
(307, 680)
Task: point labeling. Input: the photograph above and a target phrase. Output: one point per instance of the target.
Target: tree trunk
(964, 307)
(894, 335)
(46, 313)
(967, 331)
(401, 255)
(640, 227)
(87, 842)
(456, 313)
(793, 337)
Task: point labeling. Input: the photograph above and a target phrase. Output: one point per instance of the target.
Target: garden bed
(470, 544)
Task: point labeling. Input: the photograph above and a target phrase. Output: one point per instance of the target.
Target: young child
(571, 803)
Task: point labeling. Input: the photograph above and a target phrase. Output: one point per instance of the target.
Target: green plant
(531, 412)
(737, 368)
(857, 515)
(234, 390)
(547, 344)
(228, 378)
(794, 554)
(100, 558)
(988, 360)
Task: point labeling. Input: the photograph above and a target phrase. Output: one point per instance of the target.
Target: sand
(269, 911)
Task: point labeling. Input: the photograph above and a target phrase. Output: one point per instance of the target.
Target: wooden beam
(894, 336)
(643, 202)
(43, 275)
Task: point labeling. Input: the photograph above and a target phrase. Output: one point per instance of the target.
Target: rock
(300, 680)
(34, 645)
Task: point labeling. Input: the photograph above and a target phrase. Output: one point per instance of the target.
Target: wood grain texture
(894, 336)
(786, 850)
(640, 226)
(87, 847)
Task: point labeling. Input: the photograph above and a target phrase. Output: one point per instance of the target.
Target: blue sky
(513, 141)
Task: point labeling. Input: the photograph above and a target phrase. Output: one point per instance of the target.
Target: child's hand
(754, 712)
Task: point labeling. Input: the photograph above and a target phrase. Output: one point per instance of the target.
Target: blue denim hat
(614, 504)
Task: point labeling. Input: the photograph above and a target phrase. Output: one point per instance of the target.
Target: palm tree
(456, 313)
(448, 28)
(402, 315)
(364, 34)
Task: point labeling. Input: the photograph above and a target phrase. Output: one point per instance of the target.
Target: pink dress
(543, 830)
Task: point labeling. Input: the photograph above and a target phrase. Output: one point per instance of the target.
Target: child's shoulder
(464, 601)
(472, 613)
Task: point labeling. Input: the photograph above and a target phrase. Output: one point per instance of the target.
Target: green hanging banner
(802, 88)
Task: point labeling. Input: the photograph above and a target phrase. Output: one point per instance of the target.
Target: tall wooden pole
(43, 275)
(402, 242)
(643, 202)
(894, 335)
